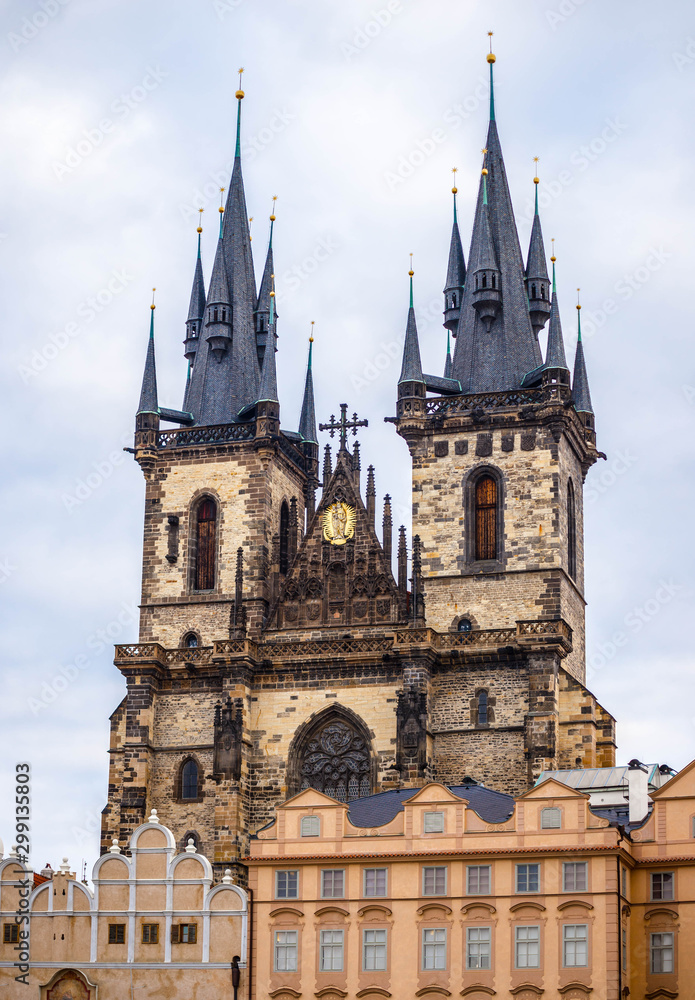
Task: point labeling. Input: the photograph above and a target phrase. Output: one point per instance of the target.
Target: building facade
(153, 924)
(462, 891)
(285, 642)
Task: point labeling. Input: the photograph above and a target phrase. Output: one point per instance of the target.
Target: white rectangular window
(528, 878)
(285, 949)
(574, 876)
(333, 883)
(662, 885)
(310, 826)
(434, 880)
(433, 822)
(331, 951)
(477, 879)
(286, 884)
(661, 953)
(551, 819)
(434, 949)
(374, 881)
(527, 947)
(374, 951)
(478, 952)
(575, 945)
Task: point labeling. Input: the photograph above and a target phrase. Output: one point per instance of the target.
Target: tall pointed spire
(448, 364)
(196, 308)
(491, 60)
(555, 353)
(494, 353)
(227, 382)
(411, 369)
(581, 397)
(268, 391)
(455, 273)
(307, 418)
(263, 309)
(537, 282)
(148, 393)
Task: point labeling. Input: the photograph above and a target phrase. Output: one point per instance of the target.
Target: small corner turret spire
(196, 308)
(411, 369)
(536, 277)
(148, 393)
(307, 417)
(555, 355)
(491, 60)
(268, 392)
(456, 271)
(482, 265)
(581, 396)
(448, 364)
(262, 313)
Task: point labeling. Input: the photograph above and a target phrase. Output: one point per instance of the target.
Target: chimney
(638, 791)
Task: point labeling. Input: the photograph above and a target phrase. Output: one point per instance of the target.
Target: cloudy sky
(117, 124)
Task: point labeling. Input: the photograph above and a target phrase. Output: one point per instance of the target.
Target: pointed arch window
(335, 759)
(206, 536)
(284, 537)
(571, 531)
(485, 281)
(189, 780)
(486, 518)
(215, 315)
(494, 281)
(482, 708)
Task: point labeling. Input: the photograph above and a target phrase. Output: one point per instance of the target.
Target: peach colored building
(464, 892)
(153, 926)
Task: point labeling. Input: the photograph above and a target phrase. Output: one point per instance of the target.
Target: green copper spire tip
(411, 289)
(455, 207)
(237, 152)
(198, 246)
(485, 188)
(270, 239)
(221, 221)
(554, 286)
(492, 90)
(448, 342)
(151, 322)
(536, 187)
(311, 350)
(579, 324)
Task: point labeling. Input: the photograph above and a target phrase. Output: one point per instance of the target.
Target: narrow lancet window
(571, 532)
(486, 518)
(284, 537)
(206, 544)
(189, 780)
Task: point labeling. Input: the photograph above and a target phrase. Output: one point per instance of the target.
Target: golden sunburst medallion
(338, 523)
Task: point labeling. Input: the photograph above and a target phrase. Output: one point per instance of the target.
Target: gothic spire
(537, 272)
(455, 273)
(148, 393)
(411, 369)
(448, 365)
(268, 392)
(307, 418)
(227, 381)
(196, 308)
(263, 309)
(581, 396)
(495, 352)
(555, 353)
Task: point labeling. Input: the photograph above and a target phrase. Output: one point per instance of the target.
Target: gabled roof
(380, 809)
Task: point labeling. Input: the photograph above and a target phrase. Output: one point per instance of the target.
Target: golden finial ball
(553, 259)
(311, 340)
(454, 190)
(272, 295)
(239, 95)
(491, 58)
(536, 180)
(411, 273)
(220, 209)
(578, 306)
(199, 229)
(484, 171)
(153, 306)
(272, 218)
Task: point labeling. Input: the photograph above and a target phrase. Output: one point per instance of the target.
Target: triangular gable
(680, 786)
(339, 575)
(433, 791)
(309, 797)
(551, 788)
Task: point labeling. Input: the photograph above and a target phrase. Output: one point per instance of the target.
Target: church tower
(283, 643)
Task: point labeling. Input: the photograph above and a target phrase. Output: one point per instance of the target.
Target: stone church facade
(289, 641)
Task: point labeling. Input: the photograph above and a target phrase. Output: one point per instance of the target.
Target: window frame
(311, 820)
(332, 872)
(181, 933)
(571, 531)
(207, 574)
(568, 942)
(430, 816)
(478, 869)
(662, 875)
(527, 865)
(375, 895)
(435, 944)
(528, 941)
(287, 948)
(659, 950)
(286, 872)
(545, 811)
(116, 934)
(470, 485)
(375, 944)
(182, 781)
(332, 945)
(436, 870)
(146, 934)
(10, 933)
(486, 539)
(575, 866)
(476, 930)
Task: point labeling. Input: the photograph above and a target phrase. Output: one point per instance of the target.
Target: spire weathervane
(454, 189)
(153, 306)
(410, 275)
(343, 426)
(491, 60)
(221, 209)
(239, 96)
(311, 335)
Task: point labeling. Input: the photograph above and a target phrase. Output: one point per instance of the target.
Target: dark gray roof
(196, 309)
(268, 391)
(218, 292)
(536, 266)
(456, 269)
(499, 359)
(555, 354)
(148, 393)
(448, 386)
(307, 418)
(377, 810)
(581, 397)
(411, 369)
